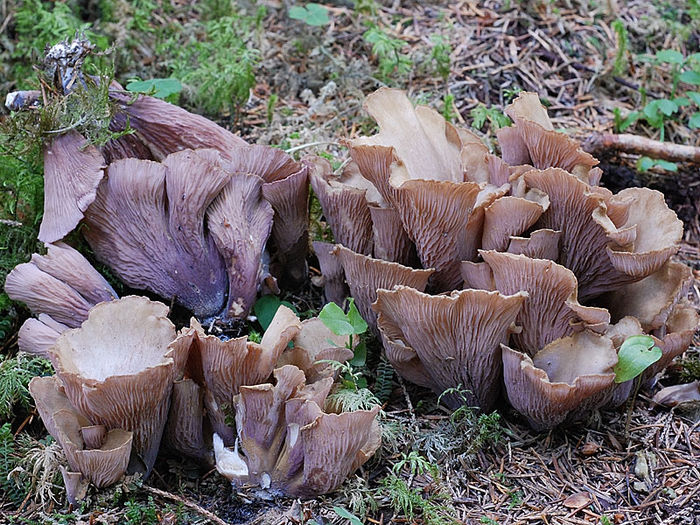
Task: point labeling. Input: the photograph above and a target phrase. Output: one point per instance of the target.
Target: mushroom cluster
(181, 207)
(557, 271)
(125, 381)
(188, 211)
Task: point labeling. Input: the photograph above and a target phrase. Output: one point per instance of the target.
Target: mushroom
(93, 453)
(334, 288)
(313, 347)
(220, 368)
(72, 170)
(290, 445)
(166, 128)
(345, 203)
(606, 240)
(652, 299)
(563, 380)
(240, 222)
(533, 141)
(117, 369)
(60, 288)
(449, 340)
(551, 310)
(61, 284)
(365, 275)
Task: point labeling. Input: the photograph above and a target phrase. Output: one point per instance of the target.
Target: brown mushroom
(563, 380)
(61, 284)
(147, 224)
(92, 452)
(365, 275)
(117, 369)
(290, 445)
(551, 310)
(456, 338)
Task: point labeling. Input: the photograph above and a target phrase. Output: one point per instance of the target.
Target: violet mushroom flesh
(289, 445)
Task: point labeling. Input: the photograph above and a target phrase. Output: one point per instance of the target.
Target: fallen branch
(187, 503)
(600, 143)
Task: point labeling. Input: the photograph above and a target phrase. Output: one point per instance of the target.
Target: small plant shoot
(349, 324)
(636, 354)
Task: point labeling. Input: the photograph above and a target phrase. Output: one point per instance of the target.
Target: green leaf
(670, 56)
(636, 354)
(311, 14)
(354, 520)
(157, 87)
(694, 96)
(690, 77)
(681, 102)
(266, 307)
(360, 356)
(694, 121)
(666, 165)
(645, 163)
(355, 319)
(335, 320)
(668, 107)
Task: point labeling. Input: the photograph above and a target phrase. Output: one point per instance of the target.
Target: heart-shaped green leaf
(157, 87)
(636, 354)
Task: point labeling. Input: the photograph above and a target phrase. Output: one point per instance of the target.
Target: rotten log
(599, 144)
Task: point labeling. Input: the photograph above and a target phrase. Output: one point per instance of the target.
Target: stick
(189, 504)
(599, 143)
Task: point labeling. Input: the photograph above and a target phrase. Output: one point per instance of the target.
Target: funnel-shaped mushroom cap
(551, 309)
(118, 371)
(428, 145)
(334, 288)
(675, 336)
(334, 446)
(228, 365)
(391, 242)
(651, 299)
(240, 221)
(636, 230)
(366, 275)
(658, 233)
(315, 343)
(61, 284)
(289, 198)
(344, 203)
(435, 215)
(72, 170)
(100, 456)
(68, 265)
(36, 336)
(147, 224)
(456, 338)
(166, 128)
(545, 147)
(290, 445)
(286, 189)
(564, 379)
(260, 420)
(220, 368)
